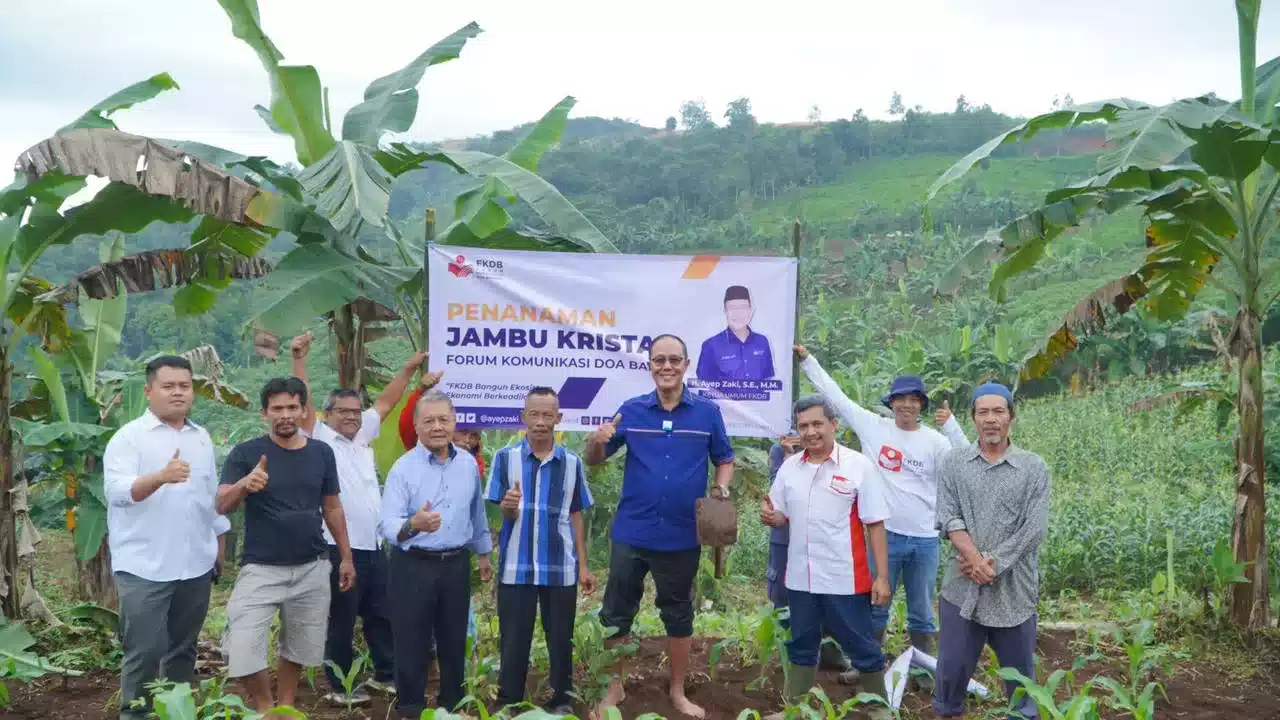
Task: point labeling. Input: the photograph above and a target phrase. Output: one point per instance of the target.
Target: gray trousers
(960, 644)
(159, 625)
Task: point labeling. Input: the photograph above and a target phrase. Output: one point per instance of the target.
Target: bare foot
(613, 698)
(682, 705)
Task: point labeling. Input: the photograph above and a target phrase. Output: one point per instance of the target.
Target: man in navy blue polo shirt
(670, 434)
(738, 352)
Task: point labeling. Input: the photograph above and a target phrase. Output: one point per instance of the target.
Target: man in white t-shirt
(832, 500)
(906, 454)
(349, 430)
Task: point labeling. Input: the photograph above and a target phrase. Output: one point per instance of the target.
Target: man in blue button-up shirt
(671, 437)
(737, 352)
(433, 516)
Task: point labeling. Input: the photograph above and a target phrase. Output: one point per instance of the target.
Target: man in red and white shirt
(833, 500)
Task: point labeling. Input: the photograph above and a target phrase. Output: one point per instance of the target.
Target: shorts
(673, 576)
(300, 593)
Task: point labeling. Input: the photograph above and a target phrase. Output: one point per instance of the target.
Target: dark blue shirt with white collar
(669, 454)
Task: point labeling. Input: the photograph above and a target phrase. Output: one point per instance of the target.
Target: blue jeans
(846, 617)
(914, 562)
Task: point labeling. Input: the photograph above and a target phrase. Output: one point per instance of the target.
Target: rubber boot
(831, 657)
(799, 680)
(926, 643)
(850, 676)
(874, 683)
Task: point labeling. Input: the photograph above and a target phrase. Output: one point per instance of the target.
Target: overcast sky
(631, 60)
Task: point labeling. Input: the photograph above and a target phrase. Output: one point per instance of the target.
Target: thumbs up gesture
(770, 515)
(256, 480)
(942, 414)
(605, 432)
(176, 470)
(511, 500)
(424, 520)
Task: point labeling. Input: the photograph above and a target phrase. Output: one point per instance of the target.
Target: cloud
(637, 61)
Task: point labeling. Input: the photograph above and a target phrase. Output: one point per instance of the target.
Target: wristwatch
(406, 530)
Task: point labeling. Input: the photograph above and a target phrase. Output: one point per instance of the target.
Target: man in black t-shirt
(285, 566)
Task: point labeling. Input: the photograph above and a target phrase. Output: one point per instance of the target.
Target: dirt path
(1196, 691)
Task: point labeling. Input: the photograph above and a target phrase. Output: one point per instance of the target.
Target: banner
(582, 323)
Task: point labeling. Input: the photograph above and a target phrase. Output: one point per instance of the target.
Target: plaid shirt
(537, 547)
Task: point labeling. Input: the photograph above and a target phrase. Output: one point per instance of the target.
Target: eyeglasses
(662, 360)
(346, 412)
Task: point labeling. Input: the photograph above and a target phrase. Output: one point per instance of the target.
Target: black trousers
(517, 608)
(366, 599)
(430, 594)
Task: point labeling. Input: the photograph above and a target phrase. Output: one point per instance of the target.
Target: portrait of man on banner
(737, 352)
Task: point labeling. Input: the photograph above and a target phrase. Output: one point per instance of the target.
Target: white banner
(582, 323)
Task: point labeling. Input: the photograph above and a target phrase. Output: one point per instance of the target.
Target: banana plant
(348, 176)
(1205, 174)
(148, 182)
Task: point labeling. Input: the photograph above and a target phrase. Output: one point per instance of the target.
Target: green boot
(874, 683)
(799, 680)
(926, 643)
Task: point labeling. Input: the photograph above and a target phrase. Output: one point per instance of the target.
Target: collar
(151, 421)
(526, 450)
(653, 401)
(728, 333)
(834, 458)
(1010, 455)
(431, 457)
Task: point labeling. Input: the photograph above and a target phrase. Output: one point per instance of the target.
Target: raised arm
(391, 394)
(949, 426)
(858, 418)
(299, 349)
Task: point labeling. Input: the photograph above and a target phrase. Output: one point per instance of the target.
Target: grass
(895, 185)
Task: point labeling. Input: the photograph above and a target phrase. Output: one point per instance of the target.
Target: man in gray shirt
(993, 505)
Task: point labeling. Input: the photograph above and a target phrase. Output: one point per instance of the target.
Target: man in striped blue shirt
(542, 549)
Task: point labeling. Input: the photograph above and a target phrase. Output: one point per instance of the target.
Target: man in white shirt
(349, 430)
(907, 455)
(164, 534)
(832, 500)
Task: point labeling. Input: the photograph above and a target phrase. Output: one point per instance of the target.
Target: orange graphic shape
(700, 267)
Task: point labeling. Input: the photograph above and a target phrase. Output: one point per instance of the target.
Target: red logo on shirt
(890, 458)
(460, 268)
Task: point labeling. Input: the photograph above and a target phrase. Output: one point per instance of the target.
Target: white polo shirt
(827, 507)
(357, 479)
(171, 535)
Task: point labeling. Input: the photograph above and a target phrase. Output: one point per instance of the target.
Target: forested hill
(736, 185)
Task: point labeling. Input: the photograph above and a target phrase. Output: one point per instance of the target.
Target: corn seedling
(596, 659)
(348, 678)
(1140, 706)
(1080, 706)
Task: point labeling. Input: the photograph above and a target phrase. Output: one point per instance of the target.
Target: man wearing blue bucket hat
(993, 505)
(906, 454)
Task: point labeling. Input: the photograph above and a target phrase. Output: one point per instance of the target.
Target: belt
(434, 554)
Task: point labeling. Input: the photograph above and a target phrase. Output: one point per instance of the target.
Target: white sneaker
(357, 697)
(381, 687)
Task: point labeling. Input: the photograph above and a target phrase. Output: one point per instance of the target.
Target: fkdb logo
(479, 267)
